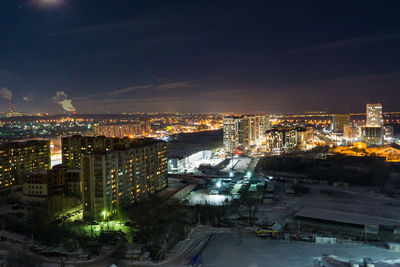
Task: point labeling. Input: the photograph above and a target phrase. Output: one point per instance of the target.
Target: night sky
(199, 56)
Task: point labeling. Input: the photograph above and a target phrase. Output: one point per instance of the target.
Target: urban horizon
(199, 133)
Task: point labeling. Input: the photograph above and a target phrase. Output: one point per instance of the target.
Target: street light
(104, 213)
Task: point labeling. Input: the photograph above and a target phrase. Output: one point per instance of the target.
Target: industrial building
(360, 226)
(372, 135)
(390, 152)
(119, 177)
(182, 163)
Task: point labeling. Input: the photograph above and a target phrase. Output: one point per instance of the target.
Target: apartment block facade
(19, 158)
(119, 177)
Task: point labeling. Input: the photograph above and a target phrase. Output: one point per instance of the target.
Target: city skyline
(198, 56)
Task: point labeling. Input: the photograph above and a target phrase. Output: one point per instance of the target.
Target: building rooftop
(345, 217)
(187, 144)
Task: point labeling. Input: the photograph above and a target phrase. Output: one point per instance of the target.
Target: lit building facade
(339, 121)
(141, 128)
(19, 158)
(251, 132)
(372, 135)
(374, 115)
(117, 178)
(390, 152)
(75, 146)
(233, 134)
(388, 133)
(351, 131)
(244, 133)
(286, 139)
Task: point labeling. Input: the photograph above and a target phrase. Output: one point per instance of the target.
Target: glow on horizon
(47, 3)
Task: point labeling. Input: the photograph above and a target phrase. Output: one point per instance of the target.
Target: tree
(159, 222)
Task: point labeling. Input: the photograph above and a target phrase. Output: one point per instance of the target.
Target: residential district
(188, 189)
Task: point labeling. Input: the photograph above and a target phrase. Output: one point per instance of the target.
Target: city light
(128, 137)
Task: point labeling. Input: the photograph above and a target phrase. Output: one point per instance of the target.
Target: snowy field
(223, 250)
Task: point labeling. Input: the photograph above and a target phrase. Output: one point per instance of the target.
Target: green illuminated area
(94, 230)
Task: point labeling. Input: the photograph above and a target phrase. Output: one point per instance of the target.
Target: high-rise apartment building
(339, 121)
(19, 158)
(75, 146)
(374, 115)
(251, 132)
(372, 132)
(265, 125)
(233, 134)
(116, 178)
(284, 139)
(244, 133)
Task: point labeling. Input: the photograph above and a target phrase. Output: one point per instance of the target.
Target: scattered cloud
(27, 98)
(6, 93)
(93, 28)
(154, 87)
(62, 99)
(348, 43)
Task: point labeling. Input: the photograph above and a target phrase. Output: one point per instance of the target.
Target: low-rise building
(391, 152)
(36, 184)
(351, 131)
(58, 180)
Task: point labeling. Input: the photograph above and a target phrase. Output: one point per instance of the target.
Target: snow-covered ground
(193, 166)
(240, 165)
(203, 198)
(229, 250)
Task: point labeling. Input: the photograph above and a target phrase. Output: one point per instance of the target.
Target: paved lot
(224, 250)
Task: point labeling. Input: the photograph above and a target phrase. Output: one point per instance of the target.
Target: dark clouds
(201, 56)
